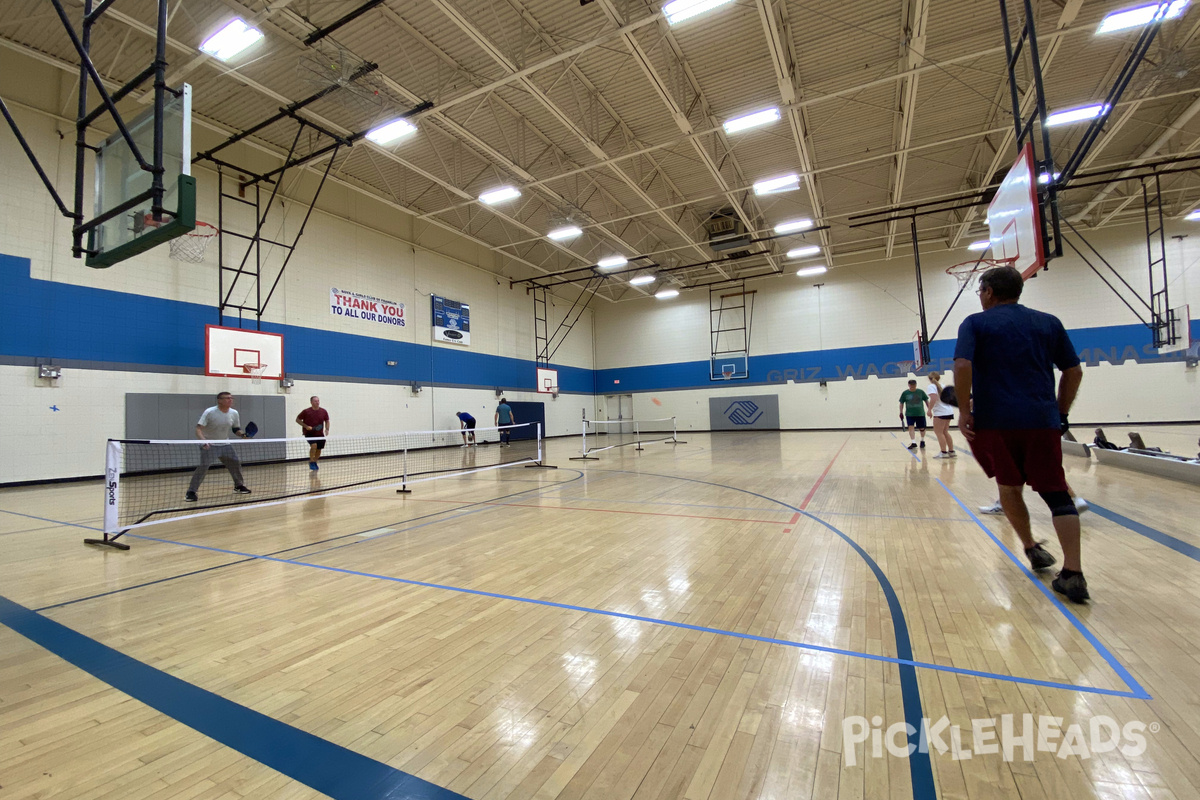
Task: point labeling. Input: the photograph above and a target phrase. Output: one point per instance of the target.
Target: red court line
(821, 479)
(608, 511)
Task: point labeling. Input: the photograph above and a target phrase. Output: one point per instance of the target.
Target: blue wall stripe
(1178, 545)
(1117, 666)
(1113, 344)
(47, 319)
(311, 760)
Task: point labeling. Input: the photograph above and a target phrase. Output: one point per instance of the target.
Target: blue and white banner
(757, 412)
(365, 308)
(451, 321)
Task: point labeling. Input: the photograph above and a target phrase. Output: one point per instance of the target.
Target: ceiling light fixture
(1142, 15)
(793, 225)
(494, 196)
(641, 280)
(809, 271)
(981, 245)
(804, 252)
(1076, 114)
(564, 233)
(667, 294)
(679, 10)
(784, 183)
(612, 262)
(1193, 216)
(391, 131)
(747, 121)
(231, 40)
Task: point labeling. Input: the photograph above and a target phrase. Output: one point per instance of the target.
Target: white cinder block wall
(335, 251)
(873, 304)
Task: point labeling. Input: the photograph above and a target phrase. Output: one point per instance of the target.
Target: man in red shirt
(314, 421)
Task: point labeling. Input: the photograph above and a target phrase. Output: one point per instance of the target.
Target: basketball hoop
(255, 371)
(907, 366)
(726, 373)
(191, 246)
(966, 272)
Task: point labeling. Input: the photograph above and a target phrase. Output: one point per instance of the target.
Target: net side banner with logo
(451, 321)
(755, 413)
(365, 309)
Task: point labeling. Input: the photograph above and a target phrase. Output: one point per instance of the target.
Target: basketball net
(191, 246)
(255, 371)
(966, 272)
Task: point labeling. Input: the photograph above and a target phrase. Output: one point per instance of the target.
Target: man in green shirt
(912, 409)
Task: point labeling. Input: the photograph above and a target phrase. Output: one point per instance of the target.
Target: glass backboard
(120, 179)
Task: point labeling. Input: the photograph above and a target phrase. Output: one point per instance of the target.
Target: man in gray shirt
(217, 423)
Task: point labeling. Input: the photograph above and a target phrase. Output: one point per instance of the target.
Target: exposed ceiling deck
(606, 117)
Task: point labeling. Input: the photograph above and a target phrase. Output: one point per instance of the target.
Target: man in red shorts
(1006, 357)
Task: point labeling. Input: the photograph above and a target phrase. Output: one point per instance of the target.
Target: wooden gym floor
(691, 621)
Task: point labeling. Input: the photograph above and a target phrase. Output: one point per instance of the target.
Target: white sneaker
(1081, 505)
(994, 509)
(943, 455)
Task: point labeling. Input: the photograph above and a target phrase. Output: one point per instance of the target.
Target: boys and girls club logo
(743, 412)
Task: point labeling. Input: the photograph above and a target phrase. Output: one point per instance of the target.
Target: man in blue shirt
(467, 426)
(1004, 361)
(504, 416)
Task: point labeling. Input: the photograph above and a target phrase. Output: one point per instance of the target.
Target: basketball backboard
(918, 352)
(729, 366)
(1179, 330)
(1014, 217)
(229, 351)
(120, 180)
(547, 381)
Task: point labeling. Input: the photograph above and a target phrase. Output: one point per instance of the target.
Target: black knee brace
(1061, 504)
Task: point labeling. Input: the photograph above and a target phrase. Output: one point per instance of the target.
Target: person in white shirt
(942, 416)
(218, 423)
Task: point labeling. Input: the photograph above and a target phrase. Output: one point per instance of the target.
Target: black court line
(286, 549)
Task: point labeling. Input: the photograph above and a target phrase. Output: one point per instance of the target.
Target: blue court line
(303, 757)
(901, 661)
(1165, 539)
(284, 550)
(1138, 692)
(920, 769)
(912, 453)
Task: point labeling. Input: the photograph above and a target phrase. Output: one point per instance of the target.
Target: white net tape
(600, 435)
